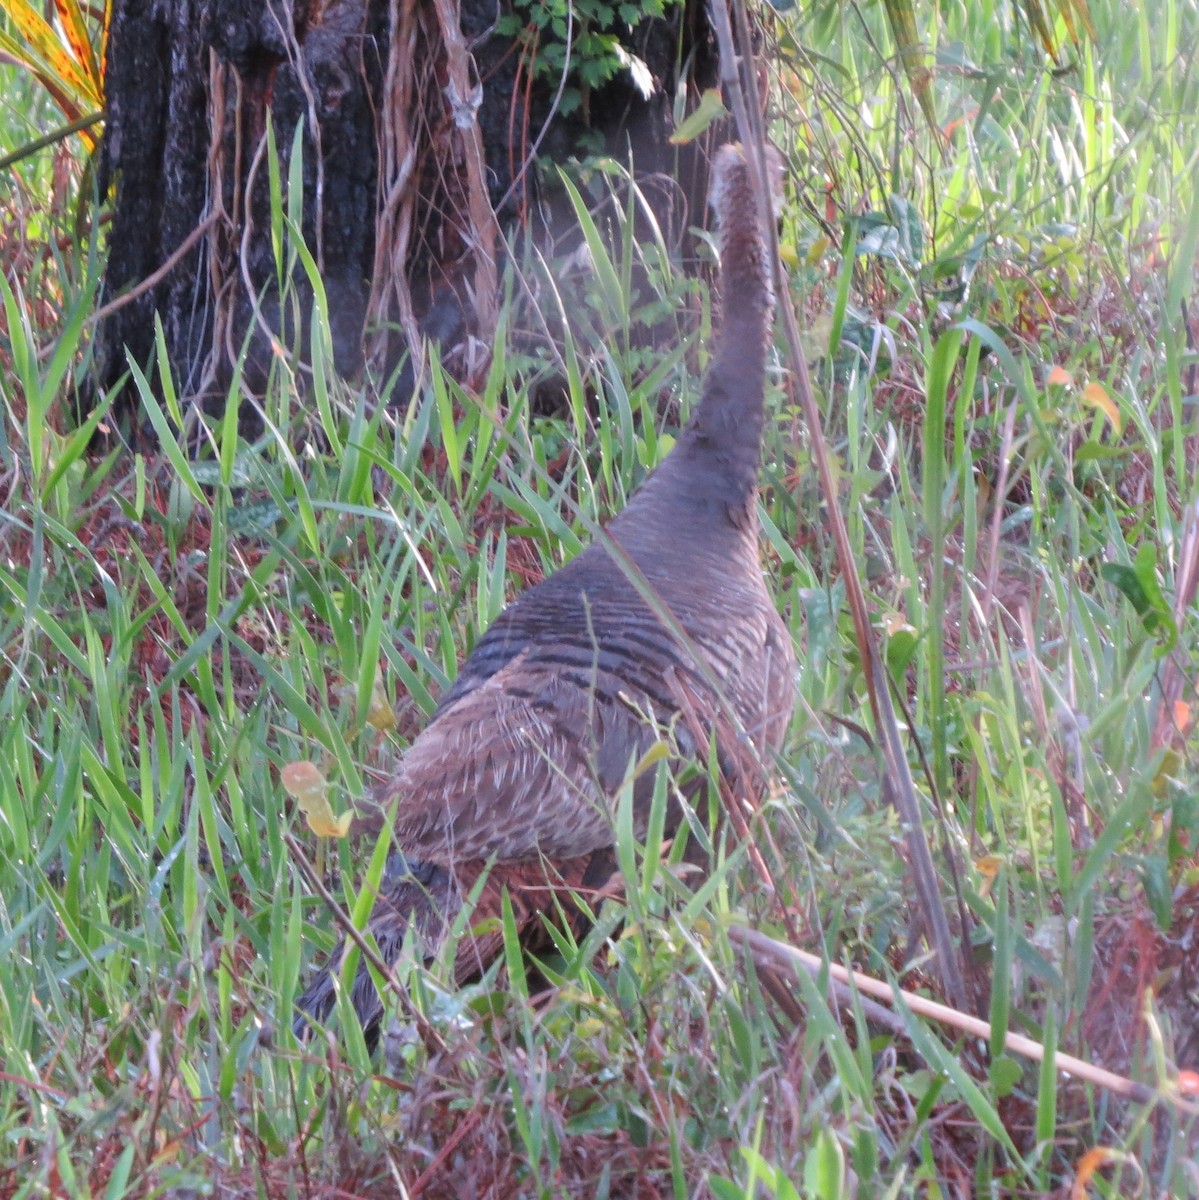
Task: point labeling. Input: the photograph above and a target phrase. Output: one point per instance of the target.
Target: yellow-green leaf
(380, 715)
(306, 784)
(67, 64)
(654, 755)
(710, 108)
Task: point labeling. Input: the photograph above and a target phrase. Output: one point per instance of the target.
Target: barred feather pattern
(663, 622)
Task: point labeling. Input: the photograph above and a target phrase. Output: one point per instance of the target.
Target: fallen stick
(772, 951)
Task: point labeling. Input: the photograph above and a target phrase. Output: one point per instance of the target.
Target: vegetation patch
(998, 313)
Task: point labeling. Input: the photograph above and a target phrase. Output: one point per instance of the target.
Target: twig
(773, 952)
(34, 1085)
(152, 280)
(58, 135)
(898, 773)
(448, 1147)
(843, 993)
(431, 1038)
(463, 101)
(1167, 732)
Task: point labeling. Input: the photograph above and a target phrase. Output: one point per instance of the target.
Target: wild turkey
(576, 679)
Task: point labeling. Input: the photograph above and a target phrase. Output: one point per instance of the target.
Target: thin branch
(898, 782)
(58, 135)
(531, 157)
(155, 278)
(773, 952)
(432, 1039)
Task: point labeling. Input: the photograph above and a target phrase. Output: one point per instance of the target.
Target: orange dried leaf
(1059, 377)
(168, 1153)
(1092, 1161)
(953, 126)
(303, 779)
(1182, 715)
(1096, 395)
(988, 867)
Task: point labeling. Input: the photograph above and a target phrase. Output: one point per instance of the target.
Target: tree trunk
(418, 118)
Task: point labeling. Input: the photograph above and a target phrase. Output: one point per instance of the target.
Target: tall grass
(176, 628)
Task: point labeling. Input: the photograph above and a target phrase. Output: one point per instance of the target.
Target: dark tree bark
(418, 119)
(154, 150)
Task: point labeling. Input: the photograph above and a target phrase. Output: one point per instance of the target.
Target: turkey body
(662, 627)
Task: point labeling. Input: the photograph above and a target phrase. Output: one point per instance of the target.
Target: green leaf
(901, 645)
(824, 1168)
(1155, 879)
(1125, 580)
(1138, 584)
(909, 228)
(1047, 1081)
(724, 1189)
(600, 1118)
(1005, 1073)
(710, 108)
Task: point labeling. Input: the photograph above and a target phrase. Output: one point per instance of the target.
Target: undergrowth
(1003, 338)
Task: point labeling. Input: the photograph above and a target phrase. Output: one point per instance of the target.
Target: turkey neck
(708, 484)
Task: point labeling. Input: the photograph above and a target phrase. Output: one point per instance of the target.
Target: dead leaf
(988, 867)
(306, 784)
(1092, 1161)
(1096, 395)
